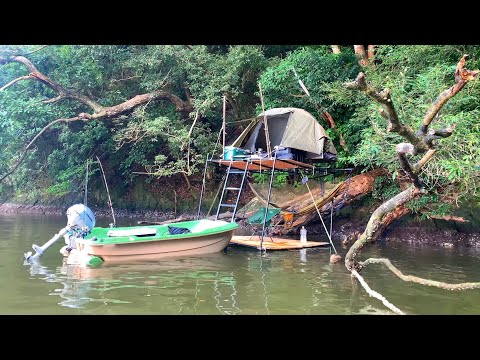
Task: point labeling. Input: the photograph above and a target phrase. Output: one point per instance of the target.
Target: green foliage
(153, 138)
(279, 179)
(156, 138)
(416, 75)
(323, 73)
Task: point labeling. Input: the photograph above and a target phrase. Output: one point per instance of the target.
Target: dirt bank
(409, 230)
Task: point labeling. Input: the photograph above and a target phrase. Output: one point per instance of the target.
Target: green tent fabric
(257, 217)
(290, 128)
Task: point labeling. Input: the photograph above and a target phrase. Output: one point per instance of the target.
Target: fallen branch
(377, 295)
(417, 280)
(449, 218)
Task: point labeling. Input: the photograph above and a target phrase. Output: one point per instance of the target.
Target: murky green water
(240, 281)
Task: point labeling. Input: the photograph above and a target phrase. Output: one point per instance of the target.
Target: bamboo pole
(223, 125)
(265, 125)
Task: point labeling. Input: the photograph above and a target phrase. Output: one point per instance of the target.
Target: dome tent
(291, 128)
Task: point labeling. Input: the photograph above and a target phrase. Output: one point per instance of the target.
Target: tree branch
(438, 134)
(388, 112)
(413, 177)
(376, 222)
(462, 77)
(59, 89)
(426, 158)
(15, 80)
(376, 295)
(328, 118)
(418, 280)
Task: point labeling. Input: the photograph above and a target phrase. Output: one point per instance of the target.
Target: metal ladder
(227, 188)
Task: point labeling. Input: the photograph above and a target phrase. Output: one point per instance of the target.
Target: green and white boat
(157, 241)
(90, 245)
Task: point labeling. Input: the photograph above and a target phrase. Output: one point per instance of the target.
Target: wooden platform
(264, 164)
(277, 244)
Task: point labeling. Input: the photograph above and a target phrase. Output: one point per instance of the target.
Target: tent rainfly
(289, 128)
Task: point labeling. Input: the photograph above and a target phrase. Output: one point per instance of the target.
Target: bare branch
(415, 279)
(46, 127)
(53, 100)
(15, 80)
(124, 79)
(416, 167)
(59, 89)
(14, 167)
(408, 170)
(376, 222)
(377, 295)
(438, 134)
(449, 218)
(462, 77)
(328, 118)
(388, 112)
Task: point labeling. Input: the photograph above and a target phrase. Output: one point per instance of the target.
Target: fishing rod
(109, 203)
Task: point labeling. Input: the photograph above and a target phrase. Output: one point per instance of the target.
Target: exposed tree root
(416, 279)
(377, 295)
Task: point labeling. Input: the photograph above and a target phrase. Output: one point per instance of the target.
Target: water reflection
(182, 285)
(242, 281)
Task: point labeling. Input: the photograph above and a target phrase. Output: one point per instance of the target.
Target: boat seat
(132, 232)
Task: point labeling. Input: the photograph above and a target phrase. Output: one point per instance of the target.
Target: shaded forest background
(157, 137)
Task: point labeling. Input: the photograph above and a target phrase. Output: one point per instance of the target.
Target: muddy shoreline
(407, 230)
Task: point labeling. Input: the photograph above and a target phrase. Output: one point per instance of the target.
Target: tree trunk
(336, 49)
(361, 54)
(385, 214)
(371, 53)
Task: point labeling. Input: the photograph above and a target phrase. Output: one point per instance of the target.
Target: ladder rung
(228, 205)
(232, 188)
(236, 171)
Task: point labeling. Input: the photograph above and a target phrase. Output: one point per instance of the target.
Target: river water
(238, 281)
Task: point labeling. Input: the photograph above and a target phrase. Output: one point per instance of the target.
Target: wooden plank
(298, 163)
(279, 165)
(277, 244)
(238, 164)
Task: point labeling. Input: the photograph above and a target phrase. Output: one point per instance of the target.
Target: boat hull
(152, 250)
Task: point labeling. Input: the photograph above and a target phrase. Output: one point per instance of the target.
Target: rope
(108, 192)
(305, 181)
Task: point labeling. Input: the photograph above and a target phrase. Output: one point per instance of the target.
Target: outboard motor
(81, 221)
(80, 217)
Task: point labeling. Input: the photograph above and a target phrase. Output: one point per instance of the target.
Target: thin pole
(268, 201)
(108, 192)
(85, 192)
(86, 187)
(223, 125)
(203, 187)
(265, 125)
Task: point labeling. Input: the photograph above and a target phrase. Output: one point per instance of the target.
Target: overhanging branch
(388, 111)
(462, 77)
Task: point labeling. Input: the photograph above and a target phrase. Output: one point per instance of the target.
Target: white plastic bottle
(303, 236)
